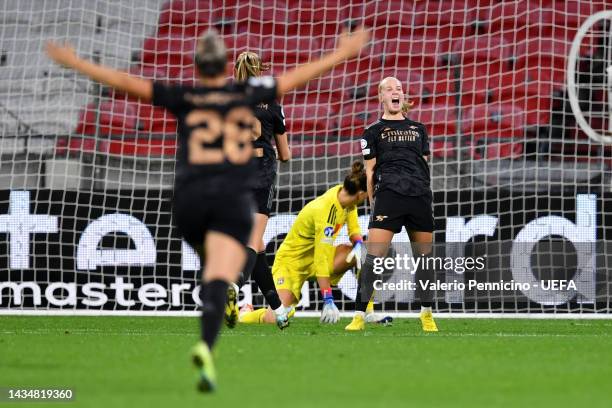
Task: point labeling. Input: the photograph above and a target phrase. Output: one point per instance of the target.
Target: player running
(308, 251)
(212, 199)
(396, 151)
(270, 124)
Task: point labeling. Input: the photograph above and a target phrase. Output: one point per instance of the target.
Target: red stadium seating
(502, 120)
(440, 120)
(445, 18)
(356, 116)
(297, 50)
(509, 70)
(416, 52)
(115, 117)
(144, 147)
(308, 120)
(168, 51)
(265, 18)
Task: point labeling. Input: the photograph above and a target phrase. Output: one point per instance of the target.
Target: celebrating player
(396, 152)
(212, 200)
(270, 123)
(308, 251)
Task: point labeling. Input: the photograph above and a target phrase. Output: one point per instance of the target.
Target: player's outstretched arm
(132, 85)
(349, 46)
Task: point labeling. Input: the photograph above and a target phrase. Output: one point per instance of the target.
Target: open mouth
(395, 100)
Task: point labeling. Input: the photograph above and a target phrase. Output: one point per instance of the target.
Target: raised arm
(132, 85)
(349, 46)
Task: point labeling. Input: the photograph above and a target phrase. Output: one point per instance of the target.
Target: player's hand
(330, 313)
(351, 43)
(62, 54)
(355, 253)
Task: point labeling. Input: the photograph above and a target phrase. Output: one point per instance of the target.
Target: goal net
(516, 97)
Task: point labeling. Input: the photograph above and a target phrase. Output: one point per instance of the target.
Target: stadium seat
(153, 119)
(143, 146)
(440, 120)
(264, 18)
(115, 117)
(518, 19)
(393, 15)
(492, 130)
(295, 50)
(494, 120)
(445, 18)
(356, 116)
(171, 51)
(74, 146)
(188, 18)
(149, 71)
(414, 53)
(308, 120)
(315, 18)
(488, 50)
(573, 13)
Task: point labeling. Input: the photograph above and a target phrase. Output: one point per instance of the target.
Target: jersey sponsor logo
(380, 218)
(399, 135)
(263, 106)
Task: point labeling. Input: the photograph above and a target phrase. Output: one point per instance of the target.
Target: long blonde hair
(248, 64)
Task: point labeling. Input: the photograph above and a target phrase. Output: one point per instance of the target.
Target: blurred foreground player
(270, 124)
(308, 251)
(396, 151)
(212, 201)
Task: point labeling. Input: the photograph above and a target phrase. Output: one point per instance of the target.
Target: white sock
(425, 309)
(280, 310)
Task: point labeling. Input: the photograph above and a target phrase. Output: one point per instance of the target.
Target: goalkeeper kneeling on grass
(308, 251)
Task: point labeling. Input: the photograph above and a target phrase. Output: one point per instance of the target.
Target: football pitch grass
(144, 362)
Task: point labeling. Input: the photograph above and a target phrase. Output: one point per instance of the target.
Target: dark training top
(215, 131)
(271, 122)
(398, 147)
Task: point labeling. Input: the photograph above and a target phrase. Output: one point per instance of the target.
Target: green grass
(143, 362)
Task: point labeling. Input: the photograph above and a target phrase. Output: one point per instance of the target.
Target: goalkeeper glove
(355, 253)
(330, 313)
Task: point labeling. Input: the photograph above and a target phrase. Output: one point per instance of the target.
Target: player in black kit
(270, 124)
(396, 151)
(213, 205)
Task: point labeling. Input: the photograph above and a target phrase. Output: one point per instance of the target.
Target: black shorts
(263, 199)
(393, 211)
(195, 213)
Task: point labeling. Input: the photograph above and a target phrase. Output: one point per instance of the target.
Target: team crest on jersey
(280, 281)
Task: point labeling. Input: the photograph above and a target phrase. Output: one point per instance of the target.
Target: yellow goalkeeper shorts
(289, 278)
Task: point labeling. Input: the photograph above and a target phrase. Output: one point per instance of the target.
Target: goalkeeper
(308, 251)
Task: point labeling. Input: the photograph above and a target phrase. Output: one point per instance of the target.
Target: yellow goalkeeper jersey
(309, 246)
